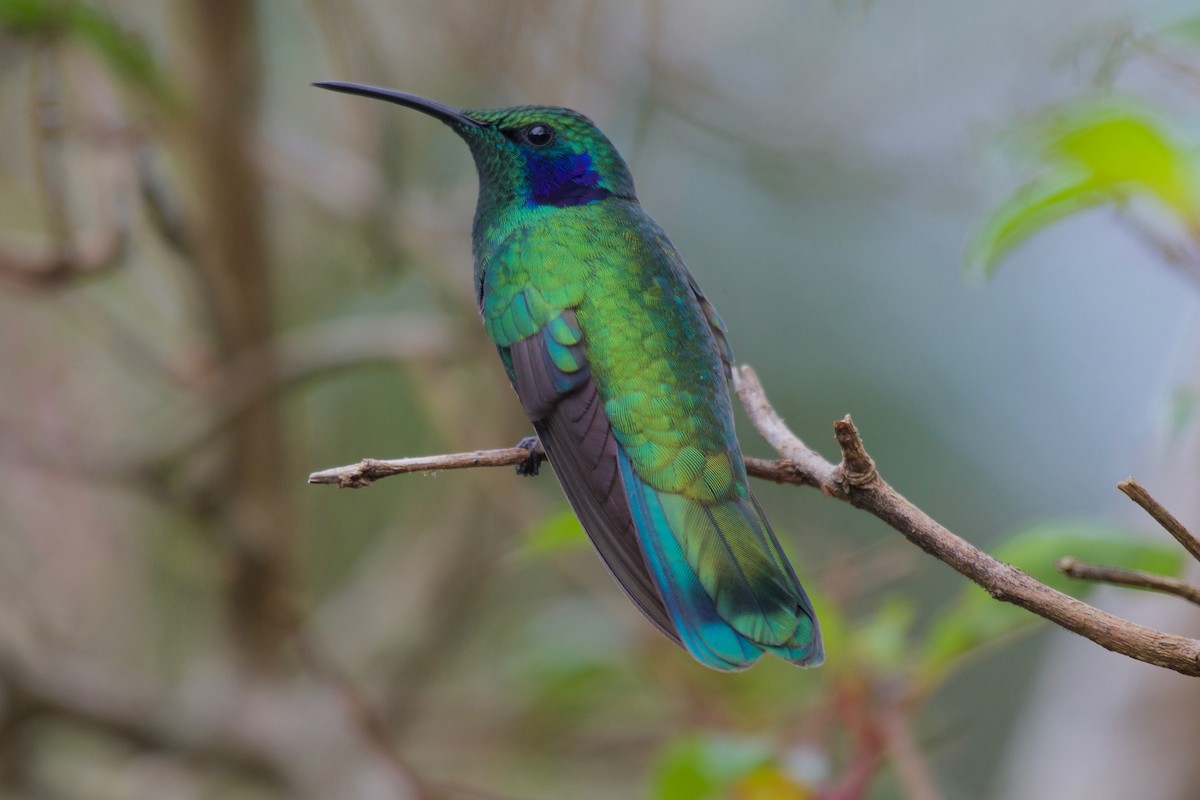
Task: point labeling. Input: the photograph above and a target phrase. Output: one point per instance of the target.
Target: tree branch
(1002, 581)
(856, 481)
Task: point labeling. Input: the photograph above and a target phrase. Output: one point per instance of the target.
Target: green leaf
(1089, 154)
(1031, 209)
(554, 534)
(975, 619)
(703, 766)
(1125, 151)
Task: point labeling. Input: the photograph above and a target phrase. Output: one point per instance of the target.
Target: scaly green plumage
(622, 366)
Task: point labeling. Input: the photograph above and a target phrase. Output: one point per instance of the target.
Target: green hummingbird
(623, 367)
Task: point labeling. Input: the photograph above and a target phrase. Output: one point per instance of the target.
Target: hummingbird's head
(536, 155)
(549, 156)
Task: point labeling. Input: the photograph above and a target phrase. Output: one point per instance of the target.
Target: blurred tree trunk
(251, 505)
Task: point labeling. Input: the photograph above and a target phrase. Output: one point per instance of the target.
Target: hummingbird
(622, 365)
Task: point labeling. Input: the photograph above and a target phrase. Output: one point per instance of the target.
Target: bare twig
(1133, 578)
(856, 481)
(1138, 494)
(369, 470)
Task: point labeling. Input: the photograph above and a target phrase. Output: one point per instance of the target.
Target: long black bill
(441, 111)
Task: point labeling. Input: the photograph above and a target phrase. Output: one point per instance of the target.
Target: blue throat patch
(561, 182)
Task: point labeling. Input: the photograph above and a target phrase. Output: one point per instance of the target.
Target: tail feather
(805, 647)
(730, 592)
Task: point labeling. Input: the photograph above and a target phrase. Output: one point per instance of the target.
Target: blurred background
(973, 226)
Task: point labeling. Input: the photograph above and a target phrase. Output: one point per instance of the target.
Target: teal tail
(729, 590)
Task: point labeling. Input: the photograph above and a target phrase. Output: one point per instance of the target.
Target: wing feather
(569, 418)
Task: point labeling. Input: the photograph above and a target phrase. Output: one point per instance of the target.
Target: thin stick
(369, 470)
(1138, 494)
(1133, 578)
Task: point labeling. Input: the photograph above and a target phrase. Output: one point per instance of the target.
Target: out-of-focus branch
(317, 350)
(286, 731)
(49, 117)
(1133, 578)
(362, 714)
(302, 356)
(1182, 254)
(94, 254)
(162, 207)
(296, 358)
(69, 255)
(912, 770)
(856, 481)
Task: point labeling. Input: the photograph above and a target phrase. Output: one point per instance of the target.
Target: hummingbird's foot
(531, 465)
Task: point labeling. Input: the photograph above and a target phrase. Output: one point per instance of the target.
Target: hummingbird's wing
(715, 323)
(553, 380)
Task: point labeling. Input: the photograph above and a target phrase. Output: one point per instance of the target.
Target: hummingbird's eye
(538, 135)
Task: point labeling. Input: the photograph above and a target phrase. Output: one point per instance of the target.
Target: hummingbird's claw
(533, 464)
